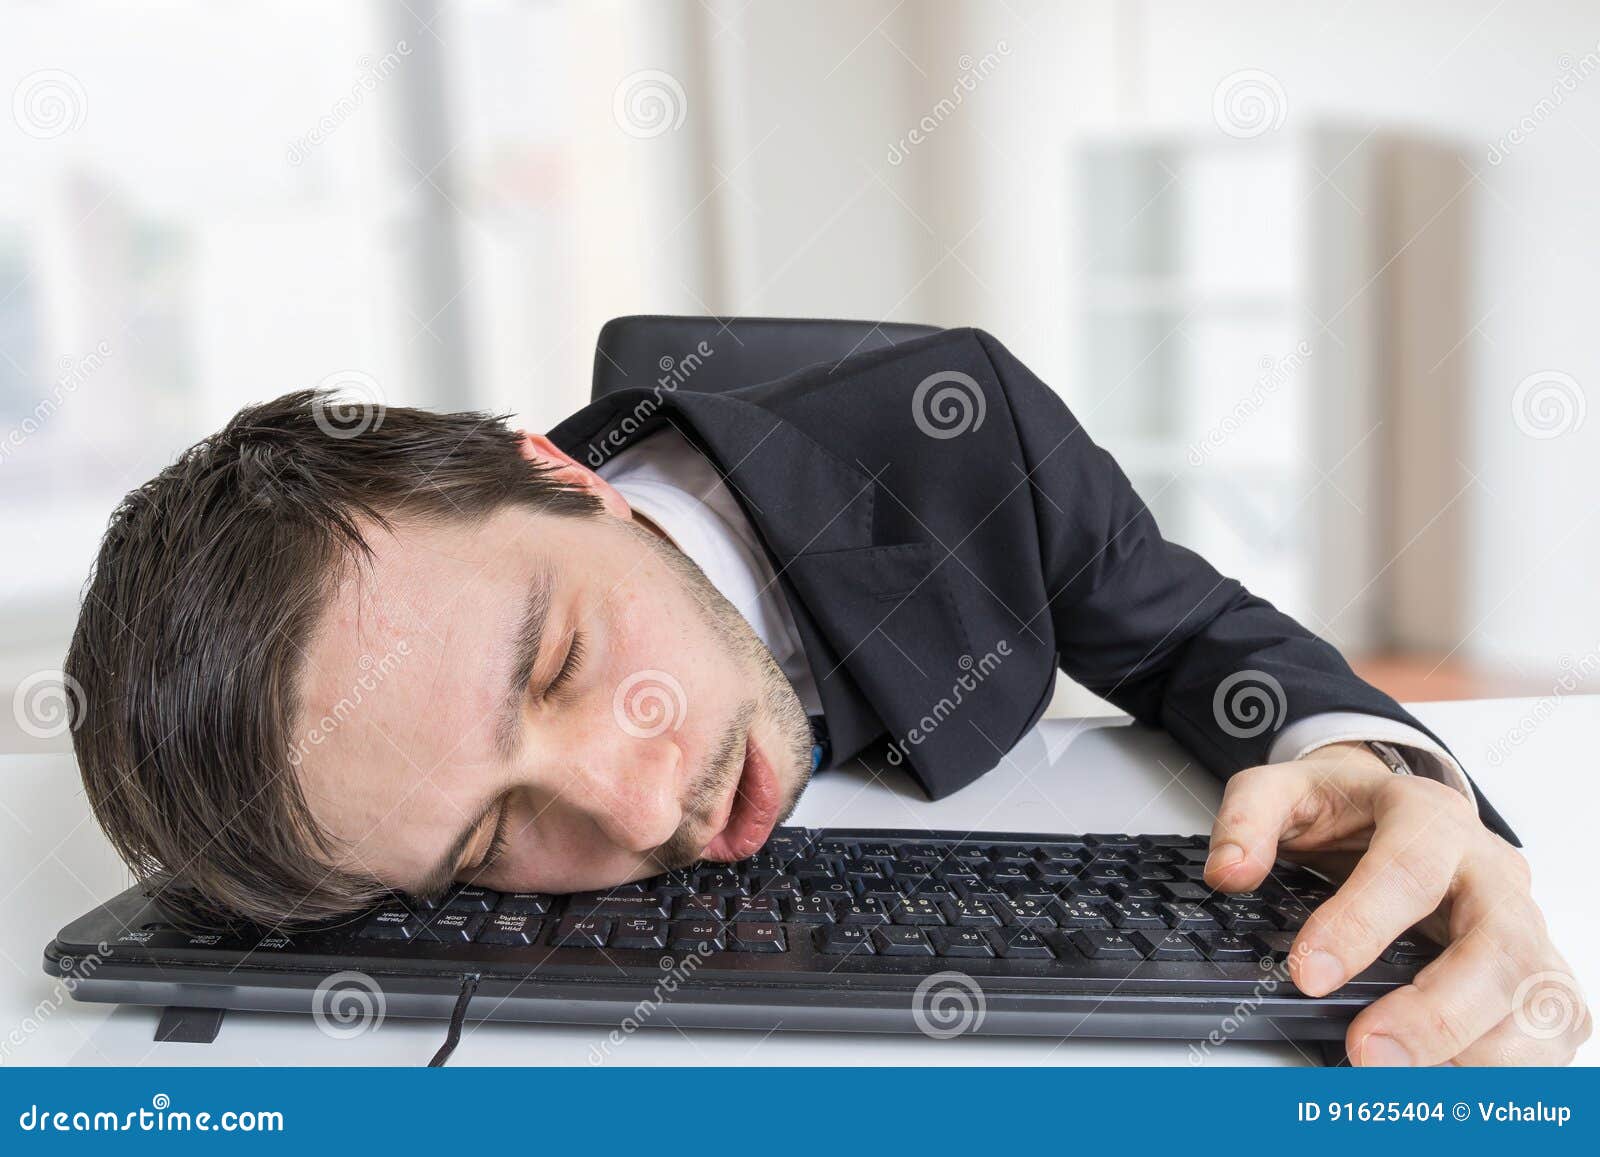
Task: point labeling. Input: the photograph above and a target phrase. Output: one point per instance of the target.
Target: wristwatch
(1390, 756)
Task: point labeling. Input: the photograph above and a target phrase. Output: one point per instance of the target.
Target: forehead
(405, 673)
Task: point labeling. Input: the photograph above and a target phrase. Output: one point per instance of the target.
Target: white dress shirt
(665, 478)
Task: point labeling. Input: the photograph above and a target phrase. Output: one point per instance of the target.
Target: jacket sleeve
(1150, 625)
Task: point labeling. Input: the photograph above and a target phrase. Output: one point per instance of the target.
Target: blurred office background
(1322, 275)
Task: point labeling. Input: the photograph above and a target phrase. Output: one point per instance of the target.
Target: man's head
(320, 664)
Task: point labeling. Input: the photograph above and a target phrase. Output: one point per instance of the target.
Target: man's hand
(1410, 852)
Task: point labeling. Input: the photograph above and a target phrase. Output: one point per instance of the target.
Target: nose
(629, 788)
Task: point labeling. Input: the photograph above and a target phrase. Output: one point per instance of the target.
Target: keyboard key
(901, 940)
(1226, 947)
(695, 935)
(471, 899)
(1166, 946)
(1186, 891)
(1135, 914)
(1026, 911)
(915, 910)
(1097, 945)
(865, 910)
(390, 924)
(1080, 914)
(1187, 915)
(960, 942)
(699, 905)
(452, 926)
(754, 908)
(617, 904)
(1022, 944)
(1290, 914)
(524, 903)
(1002, 874)
(1055, 872)
(1410, 949)
(1274, 945)
(1241, 917)
(753, 937)
(720, 881)
(581, 932)
(1012, 854)
(774, 884)
(839, 889)
(845, 940)
(809, 910)
(512, 928)
(1111, 840)
(639, 932)
(971, 914)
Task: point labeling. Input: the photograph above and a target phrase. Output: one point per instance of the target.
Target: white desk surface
(1068, 775)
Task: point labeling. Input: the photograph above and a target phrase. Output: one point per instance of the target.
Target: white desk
(1068, 775)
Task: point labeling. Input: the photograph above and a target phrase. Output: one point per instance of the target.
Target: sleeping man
(324, 661)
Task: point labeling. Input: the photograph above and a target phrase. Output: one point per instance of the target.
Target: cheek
(662, 641)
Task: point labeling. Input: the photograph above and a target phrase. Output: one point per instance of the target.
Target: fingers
(1500, 994)
(1408, 870)
(1258, 804)
(1546, 1032)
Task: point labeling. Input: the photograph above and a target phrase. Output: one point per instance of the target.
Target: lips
(754, 809)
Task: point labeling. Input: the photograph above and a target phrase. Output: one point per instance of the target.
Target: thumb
(1258, 806)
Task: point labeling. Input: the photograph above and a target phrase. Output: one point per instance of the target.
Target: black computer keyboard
(1097, 934)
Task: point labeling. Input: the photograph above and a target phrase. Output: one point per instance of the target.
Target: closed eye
(569, 666)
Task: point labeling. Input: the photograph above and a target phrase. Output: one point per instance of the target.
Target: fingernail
(1384, 1052)
(1320, 972)
(1224, 856)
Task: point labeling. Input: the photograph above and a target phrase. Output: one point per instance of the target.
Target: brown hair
(188, 646)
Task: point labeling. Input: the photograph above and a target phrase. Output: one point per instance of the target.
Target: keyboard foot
(191, 1026)
(1332, 1054)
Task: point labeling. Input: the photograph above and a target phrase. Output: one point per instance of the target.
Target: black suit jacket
(946, 545)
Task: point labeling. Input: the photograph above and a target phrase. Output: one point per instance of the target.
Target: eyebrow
(526, 639)
(443, 873)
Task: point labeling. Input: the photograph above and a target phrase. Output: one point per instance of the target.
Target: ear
(538, 448)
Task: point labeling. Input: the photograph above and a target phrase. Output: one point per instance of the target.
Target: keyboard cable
(469, 985)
